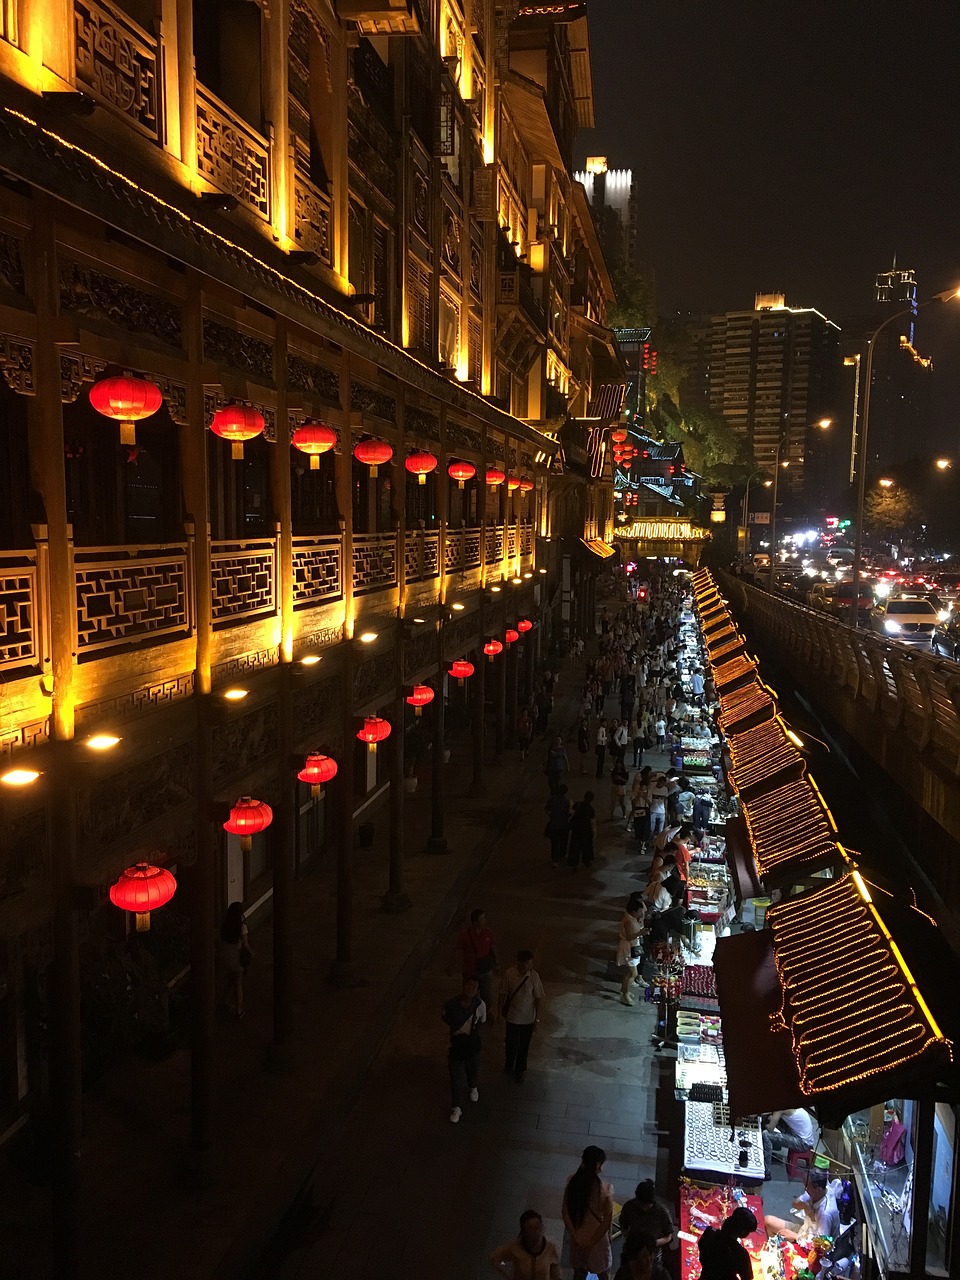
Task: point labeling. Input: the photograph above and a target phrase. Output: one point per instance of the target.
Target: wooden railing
(129, 594)
(231, 155)
(118, 63)
(317, 570)
(374, 561)
(22, 615)
(244, 578)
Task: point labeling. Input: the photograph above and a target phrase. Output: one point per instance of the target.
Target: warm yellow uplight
(102, 741)
(235, 695)
(516, 581)
(310, 660)
(885, 482)
(19, 777)
(458, 606)
(367, 637)
(795, 739)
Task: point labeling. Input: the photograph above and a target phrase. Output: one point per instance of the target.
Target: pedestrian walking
(520, 994)
(621, 738)
(583, 829)
(524, 731)
(478, 955)
(558, 823)
(658, 804)
(235, 953)
(618, 790)
(629, 949)
(637, 735)
(463, 1015)
(588, 1215)
(601, 746)
(531, 1256)
(556, 764)
(640, 804)
(660, 729)
(583, 742)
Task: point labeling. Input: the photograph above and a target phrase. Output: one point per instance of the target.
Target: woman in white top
(531, 1256)
(629, 950)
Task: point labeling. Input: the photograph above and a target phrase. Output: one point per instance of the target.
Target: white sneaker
(474, 1095)
(455, 1115)
(626, 999)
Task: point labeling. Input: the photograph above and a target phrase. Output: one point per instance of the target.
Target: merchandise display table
(708, 1149)
(702, 1207)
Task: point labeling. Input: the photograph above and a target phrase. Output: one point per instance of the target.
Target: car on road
(946, 638)
(909, 621)
(821, 594)
(843, 598)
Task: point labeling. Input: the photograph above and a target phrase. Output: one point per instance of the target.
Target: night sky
(794, 147)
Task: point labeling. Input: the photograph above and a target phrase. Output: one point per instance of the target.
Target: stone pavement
(380, 1144)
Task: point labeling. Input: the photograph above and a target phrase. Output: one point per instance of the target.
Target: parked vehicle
(821, 595)
(909, 621)
(843, 597)
(946, 638)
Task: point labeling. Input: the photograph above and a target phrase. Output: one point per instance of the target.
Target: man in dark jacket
(722, 1256)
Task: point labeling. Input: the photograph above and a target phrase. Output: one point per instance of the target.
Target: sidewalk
(141, 1215)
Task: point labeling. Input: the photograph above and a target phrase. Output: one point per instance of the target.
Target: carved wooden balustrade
(317, 570)
(231, 155)
(244, 574)
(374, 561)
(119, 64)
(23, 616)
(131, 593)
(421, 555)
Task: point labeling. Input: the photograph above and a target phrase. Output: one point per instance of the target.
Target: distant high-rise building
(773, 373)
(900, 388)
(612, 195)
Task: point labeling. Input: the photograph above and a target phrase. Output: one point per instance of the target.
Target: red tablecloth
(702, 1207)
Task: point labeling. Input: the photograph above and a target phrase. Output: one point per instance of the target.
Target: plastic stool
(797, 1158)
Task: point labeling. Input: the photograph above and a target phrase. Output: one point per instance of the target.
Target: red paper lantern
(618, 436)
(492, 648)
(419, 697)
(237, 423)
(462, 669)
(513, 483)
(314, 438)
(128, 400)
(247, 819)
(317, 770)
(461, 471)
(373, 454)
(526, 485)
(524, 625)
(511, 636)
(420, 464)
(495, 476)
(374, 730)
(142, 889)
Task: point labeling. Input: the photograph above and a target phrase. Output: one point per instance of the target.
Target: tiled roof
(743, 704)
(850, 1002)
(763, 757)
(734, 671)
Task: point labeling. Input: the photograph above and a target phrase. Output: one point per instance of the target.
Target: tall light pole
(745, 511)
(862, 450)
(777, 465)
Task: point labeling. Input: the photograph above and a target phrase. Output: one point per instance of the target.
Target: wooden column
(437, 842)
(45, 425)
(478, 694)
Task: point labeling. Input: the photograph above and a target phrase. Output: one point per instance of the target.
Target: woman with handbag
(629, 950)
(235, 953)
(588, 1216)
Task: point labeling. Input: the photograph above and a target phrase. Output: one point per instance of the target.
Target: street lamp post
(862, 443)
(773, 514)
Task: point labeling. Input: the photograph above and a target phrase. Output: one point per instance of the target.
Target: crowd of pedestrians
(637, 700)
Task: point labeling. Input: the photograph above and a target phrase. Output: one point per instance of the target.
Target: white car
(909, 621)
(821, 595)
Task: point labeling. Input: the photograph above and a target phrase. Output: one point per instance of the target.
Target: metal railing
(915, 693)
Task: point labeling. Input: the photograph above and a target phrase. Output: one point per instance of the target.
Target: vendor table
(707, 1147)
(702, 1207)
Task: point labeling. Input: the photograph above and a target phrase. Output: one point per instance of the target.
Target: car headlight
(943, 615)
(882, 589)
(890, 626)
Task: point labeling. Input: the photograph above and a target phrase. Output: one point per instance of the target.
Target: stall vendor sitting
(795, 1130)
(819, 1208)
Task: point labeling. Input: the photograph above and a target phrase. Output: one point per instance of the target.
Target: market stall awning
(761, 1068)
(740, 860)
(857, 1019)
(598, 547)
(762, 758)
(745, 706)
(735, 673)
(790, 834)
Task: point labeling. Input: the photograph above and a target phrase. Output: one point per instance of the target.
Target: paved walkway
(397, 1190)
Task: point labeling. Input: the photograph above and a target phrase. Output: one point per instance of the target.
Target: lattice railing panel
(127, 594)
(526, 539)
(512, 540)
(374, 561)
(19, 611)
(231, 155)
(493, 544)
(453, 551)
(311, 217)
(317, 571)
(421, 556)
(119, 64)
(244, 577)
(472, 539)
